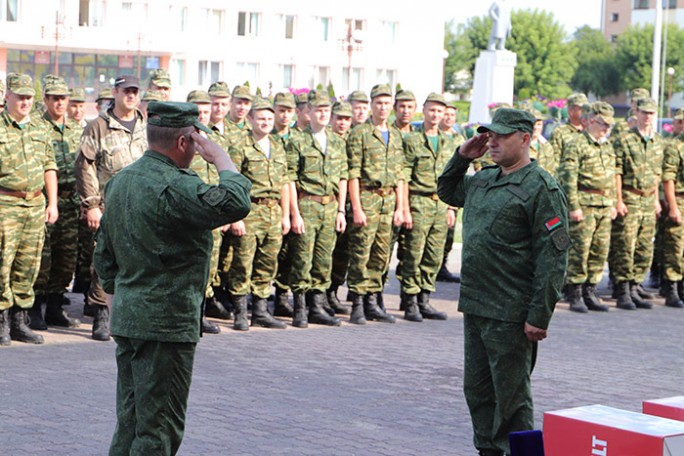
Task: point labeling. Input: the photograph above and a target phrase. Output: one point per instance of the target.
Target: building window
(613, 38)
(641, 4)
(356, 24)
(214, 22)
(289, 25)
(91, 13)
(208, 72)
(614, 17)
(323, 28)
(672, 4)
(384, 76)
(136, 11)
(9, 11)
(288, 75)
(179, 17)
(247, 72)
(178, 71)
(248, 24)
(389, 32)
(353, 79)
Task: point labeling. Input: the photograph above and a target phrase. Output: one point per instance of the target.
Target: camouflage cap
(286, 99)
(174, 114)
(342, 108)
(639, 92)
(54, 85)
(219, 89)
(302, 98)
(242, 92)
(20, 84)
(679, 114)
(538, 116)
(405, 95)
(452, 105)
(318, 98)
(161, 78)
(380, 90)
(435, 98)
(152, 95)
(77, 94)
(104, 94)
(646, 105)
(577, 99)
(604, 111)
(508, 120)
(259, 104)
(198, 97)
(358, 95)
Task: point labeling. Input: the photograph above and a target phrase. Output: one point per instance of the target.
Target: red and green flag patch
(553, 223)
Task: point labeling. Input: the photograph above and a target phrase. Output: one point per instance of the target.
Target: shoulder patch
(561, 240)
(214, 196)
(553, 223)
(549, 180)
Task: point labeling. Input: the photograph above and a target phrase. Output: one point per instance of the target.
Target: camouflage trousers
(224, 262)
(672, 243)
(589, 243)
(282, 279)
(60, 249)
(22, 230)
(424, 245)
(214, 262)
(340, 256)
(496, 379)
(398, 239)
(631, 244)
(311, 251)
(369, 252)
(255, 255)
(84, 256)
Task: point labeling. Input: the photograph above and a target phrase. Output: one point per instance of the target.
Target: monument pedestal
(492, 83)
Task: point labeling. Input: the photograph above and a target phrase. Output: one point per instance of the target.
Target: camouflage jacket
(640, 162)
(65, 142)
(317, 171)
(542, 151)
(106, 148)
(267, 174)
(423, 164)
(673, 163)
(232, 133)
(560, 137)
(373, 162)
(515, 240)
(205, 170)
(25, 154)
(587, 172)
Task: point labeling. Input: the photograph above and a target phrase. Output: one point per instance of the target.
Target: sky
(571, 14)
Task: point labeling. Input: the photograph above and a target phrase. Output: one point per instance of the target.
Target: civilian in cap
(360, 107)
(160, 81)
(104, 99)
(317, 166)
(639, 154)
(25, 170)
(404, 109)
(563, 134)
(515, 242)
(426, 218)
(110, 142)
(341, 118)
(375, 155)
(76, 107)
(58, 260)
(157, 202)
(302, 112)
(256, 241)
(587, 173)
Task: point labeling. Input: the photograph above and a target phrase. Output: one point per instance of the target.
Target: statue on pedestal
(500, 12)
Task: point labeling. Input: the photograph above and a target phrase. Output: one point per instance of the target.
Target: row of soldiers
(331, 196)
(613, 174)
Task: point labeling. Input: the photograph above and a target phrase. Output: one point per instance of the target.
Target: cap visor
(202, 127)
(498, 129)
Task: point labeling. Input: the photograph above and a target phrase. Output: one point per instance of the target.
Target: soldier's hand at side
(298, 224)
(474, 148)
(285, 222)
(576, 215)
(613, 213)
(658, 208)
(675, 215)
(225, 228)
(51, 214)
(93, 216)
(408, 220)
(360, 218)
(534, 334)
(621, 209)
(340, 222)
(398, 217)
(451, 218)
(238, 228)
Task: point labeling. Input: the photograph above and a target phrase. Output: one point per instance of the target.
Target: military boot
(591, 300)
(575, 298)
(445, 276)
(101, 324)
(35, 314)
(55, 315)
(411, 310)
(380, 299)
(357, 316)
(671, 297)
(426, 310)
(300, 320)
(281, 305)
(89, 310)
(680, 289)
(5, 338)
(214, 309)
(80, 285)
(240, 310)
(624, 297)
(335, 304)
(637, 299)
(373, 311)
(317, 313)
(261, 317)
(209, 327)
(487, 452)
(402, 301)
(19, 330)
(643, 294)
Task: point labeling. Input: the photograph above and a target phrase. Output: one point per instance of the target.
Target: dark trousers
(153, 383)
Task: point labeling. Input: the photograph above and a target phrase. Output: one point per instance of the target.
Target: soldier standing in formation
(565, 133)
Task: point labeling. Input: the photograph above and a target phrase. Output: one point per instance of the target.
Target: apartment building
(273, 45)
(620, 14)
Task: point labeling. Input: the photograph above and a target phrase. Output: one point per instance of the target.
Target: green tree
(597, 71)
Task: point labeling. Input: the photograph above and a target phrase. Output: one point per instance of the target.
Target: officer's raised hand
(474, 148)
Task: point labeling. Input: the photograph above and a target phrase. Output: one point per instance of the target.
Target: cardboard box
(597, 430)
(670, 407)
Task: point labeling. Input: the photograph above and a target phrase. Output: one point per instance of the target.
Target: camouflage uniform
(587, 173)
(560, 138)
(673, 234)
(514, 245)
(542, 151)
